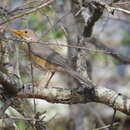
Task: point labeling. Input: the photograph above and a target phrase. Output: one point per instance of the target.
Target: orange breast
(42, 62)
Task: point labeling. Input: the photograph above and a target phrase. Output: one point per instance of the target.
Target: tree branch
(109, 51)
(70, 96)
(75, 96)
(91, 12)
(25, 10)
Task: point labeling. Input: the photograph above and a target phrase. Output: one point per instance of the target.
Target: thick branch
(91, 13)
(10, 84)
(68, 96)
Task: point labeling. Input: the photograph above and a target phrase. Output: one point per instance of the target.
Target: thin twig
(24, 118)
(104, 49)
(32, 79)
(122, 3)
(63, 45)
(7, 103)
(107, 126)
(26, 13)
(113, 118)
(120, 9)
(111, 9)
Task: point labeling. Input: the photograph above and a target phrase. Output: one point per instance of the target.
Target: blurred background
(112, 31)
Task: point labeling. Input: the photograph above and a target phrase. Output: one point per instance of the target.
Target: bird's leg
(52, 74)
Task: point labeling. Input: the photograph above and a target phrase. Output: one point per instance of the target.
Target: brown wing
(48, 54)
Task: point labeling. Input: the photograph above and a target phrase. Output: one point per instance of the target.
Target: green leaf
(21, 125)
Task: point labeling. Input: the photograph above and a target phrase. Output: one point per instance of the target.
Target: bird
(46, 56)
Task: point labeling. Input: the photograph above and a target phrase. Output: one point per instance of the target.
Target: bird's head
(27, 34)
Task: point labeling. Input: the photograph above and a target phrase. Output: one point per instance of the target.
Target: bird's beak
(17, 32)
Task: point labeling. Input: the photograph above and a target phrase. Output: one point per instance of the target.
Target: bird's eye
(26, 31)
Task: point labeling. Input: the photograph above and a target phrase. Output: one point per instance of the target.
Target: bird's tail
(87, 82)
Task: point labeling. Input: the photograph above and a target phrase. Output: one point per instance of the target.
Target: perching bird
(47, 57)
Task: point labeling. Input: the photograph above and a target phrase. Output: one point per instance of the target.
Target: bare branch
(109, 51)
(106, 126)
(75, 96)
(23, 13)
(102, 48)
(91, 14)
(71, 96)
(120, 9)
